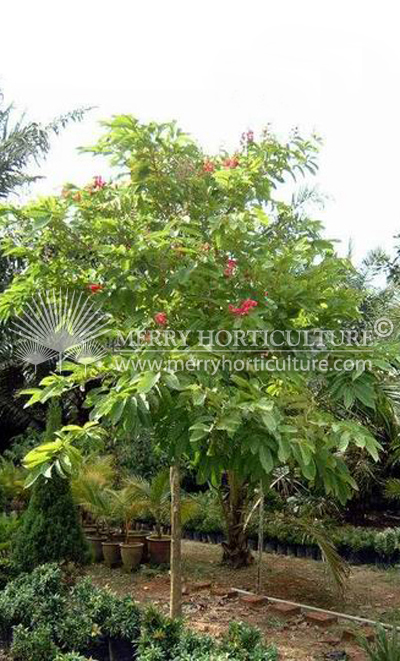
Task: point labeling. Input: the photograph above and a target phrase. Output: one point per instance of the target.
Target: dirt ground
(371, 593)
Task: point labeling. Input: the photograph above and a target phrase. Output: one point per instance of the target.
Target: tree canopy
(183, 240)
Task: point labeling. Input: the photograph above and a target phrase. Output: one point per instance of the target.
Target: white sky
(219, 68)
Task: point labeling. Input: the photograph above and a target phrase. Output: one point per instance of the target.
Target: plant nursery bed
(371, 593)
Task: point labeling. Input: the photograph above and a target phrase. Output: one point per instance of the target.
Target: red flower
(230, 267)
(208, 166)
(95, 288)
(231, 162)
(245, 307)
(161, 318)
(98, 182)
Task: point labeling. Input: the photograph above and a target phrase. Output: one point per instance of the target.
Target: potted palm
(153, 499)
(125, 509)
(91, 491)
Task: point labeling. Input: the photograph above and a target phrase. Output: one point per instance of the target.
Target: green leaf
(147, 381)
(266, 459)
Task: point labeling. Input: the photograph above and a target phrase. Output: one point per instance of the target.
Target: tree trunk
(260, 539)
(236, 551)
(176, 534)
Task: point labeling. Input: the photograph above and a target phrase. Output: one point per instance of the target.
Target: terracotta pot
(111, 553)
(96, 548)
(131, 554)
(159, 549)
(140, 536)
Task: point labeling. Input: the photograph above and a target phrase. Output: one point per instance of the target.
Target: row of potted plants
(355, 544)
(132, 548)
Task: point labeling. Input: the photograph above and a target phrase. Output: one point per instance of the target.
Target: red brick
(321, 619)
(355, 634)
(198, 587)
(284, 610)
(253, 600)
(223, 592)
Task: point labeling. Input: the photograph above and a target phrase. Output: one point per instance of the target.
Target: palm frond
(392, 488)
(338, 568)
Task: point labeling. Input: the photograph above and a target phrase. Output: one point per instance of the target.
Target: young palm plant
(153, 498)
(91, 488)
(386, 647)
(124, 508)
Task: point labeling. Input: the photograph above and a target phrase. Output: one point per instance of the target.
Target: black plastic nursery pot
(120, 650)
(99, 650)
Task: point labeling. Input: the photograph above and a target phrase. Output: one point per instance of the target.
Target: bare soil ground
(371, 593)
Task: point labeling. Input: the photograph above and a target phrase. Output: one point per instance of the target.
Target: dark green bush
(34, 645)
(115, 617)
(50, 530)
(193, 645)
(159, 634)
(8, 571)
(70, 656)
(34, 599)
(9, 524)
(49, 618)
(244, 643)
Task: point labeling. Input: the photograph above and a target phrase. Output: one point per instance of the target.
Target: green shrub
(8, 571)
(70, 656)
(9, 524)
(159, 636)
(50, 530)
(244, 643)
(193, 645)
(115, 617)
(33, 599)
(30, 645)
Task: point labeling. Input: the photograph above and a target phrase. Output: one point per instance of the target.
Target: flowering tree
(199, 246)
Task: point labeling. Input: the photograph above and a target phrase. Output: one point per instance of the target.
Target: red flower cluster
(208, 166)
(231, 162)
(230, 267)
(95, 288)
(161, 318)
(248, 137)
(244, 308)
(98, 182)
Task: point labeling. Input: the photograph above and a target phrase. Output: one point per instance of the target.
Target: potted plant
(125, 509)
(153, 499)
(91, 491)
